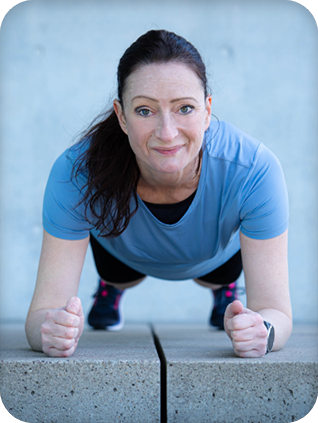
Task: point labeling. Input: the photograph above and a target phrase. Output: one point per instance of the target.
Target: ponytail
(113, 176)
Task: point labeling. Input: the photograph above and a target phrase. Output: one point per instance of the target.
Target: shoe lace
(227, 294)
(107, 295)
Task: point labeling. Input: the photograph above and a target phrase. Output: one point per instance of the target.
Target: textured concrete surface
(206, 382)
(111, 377)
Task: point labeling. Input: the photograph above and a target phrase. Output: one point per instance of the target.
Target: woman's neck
(166, 188)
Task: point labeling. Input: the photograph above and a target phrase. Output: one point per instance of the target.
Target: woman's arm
(266, 279)
(55, 319)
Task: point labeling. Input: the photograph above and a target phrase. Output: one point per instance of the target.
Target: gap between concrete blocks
(163, 377)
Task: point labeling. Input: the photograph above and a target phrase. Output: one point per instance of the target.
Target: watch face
(270, 337)
(270, 340)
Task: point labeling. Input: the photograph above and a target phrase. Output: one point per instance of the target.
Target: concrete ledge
(118, 377)
(111, 377)
(207, 383)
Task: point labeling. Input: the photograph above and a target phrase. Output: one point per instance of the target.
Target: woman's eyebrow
(157, 101)
(144, 96)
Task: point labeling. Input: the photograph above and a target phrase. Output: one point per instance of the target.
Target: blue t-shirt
(241, 187)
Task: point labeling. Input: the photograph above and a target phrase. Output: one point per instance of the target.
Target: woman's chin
(166, 166)
(170, 169)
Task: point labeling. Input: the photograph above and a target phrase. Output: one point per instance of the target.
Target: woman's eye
(186, 109)
(144, 112)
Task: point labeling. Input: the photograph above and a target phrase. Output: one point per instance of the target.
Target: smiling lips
(168, 151)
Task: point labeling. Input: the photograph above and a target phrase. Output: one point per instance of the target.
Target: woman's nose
(166, 129)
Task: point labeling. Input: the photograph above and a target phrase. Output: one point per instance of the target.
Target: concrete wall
(57, 68)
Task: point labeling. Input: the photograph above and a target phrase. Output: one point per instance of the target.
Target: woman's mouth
(168, 151)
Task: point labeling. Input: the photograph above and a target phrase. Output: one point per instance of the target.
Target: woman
(158, 189)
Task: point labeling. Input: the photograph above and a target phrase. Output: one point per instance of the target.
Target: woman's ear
(120, 115)
(208, 108)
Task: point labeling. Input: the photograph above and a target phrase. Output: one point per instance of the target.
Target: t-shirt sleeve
(264, 209)
(63, 216)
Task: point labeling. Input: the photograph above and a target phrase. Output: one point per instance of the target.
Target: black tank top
(170, 213)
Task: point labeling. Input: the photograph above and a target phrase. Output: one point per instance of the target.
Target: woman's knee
(125, 285)
(207, 284)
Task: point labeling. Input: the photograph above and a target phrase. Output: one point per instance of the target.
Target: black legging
(111, 269)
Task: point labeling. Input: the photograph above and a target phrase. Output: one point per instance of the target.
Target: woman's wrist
(282, 324)
(33, 325)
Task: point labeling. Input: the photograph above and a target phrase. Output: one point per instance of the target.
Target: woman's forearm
(33, 325)
(282, 323)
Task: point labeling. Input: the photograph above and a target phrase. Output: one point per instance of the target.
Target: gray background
(58, 63)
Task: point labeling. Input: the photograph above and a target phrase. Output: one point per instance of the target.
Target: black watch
(270, 336)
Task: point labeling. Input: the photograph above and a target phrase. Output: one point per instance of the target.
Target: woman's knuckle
(235, 325)
(70, 321)
(68, 343)
(67, 353)
(71, 333)
(68, 333)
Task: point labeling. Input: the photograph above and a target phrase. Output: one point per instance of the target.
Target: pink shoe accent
(228, 294)
(116, 304)
(104, 293)
(232, 285)
(103, 283)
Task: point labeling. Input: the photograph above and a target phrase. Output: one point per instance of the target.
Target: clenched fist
(246, 330)
(62, 329)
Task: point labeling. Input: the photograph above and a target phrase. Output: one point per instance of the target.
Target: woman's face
(165, 115)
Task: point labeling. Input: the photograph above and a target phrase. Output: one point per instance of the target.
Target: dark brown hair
(108, 160)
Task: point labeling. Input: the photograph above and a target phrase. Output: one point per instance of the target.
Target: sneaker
(222, 298)
(106, 312)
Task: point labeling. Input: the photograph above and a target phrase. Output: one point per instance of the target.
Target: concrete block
(112, 377)
(207, 382)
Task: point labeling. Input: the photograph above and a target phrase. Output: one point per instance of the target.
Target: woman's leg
(224, 275)
(112, 270)
(115, 278)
